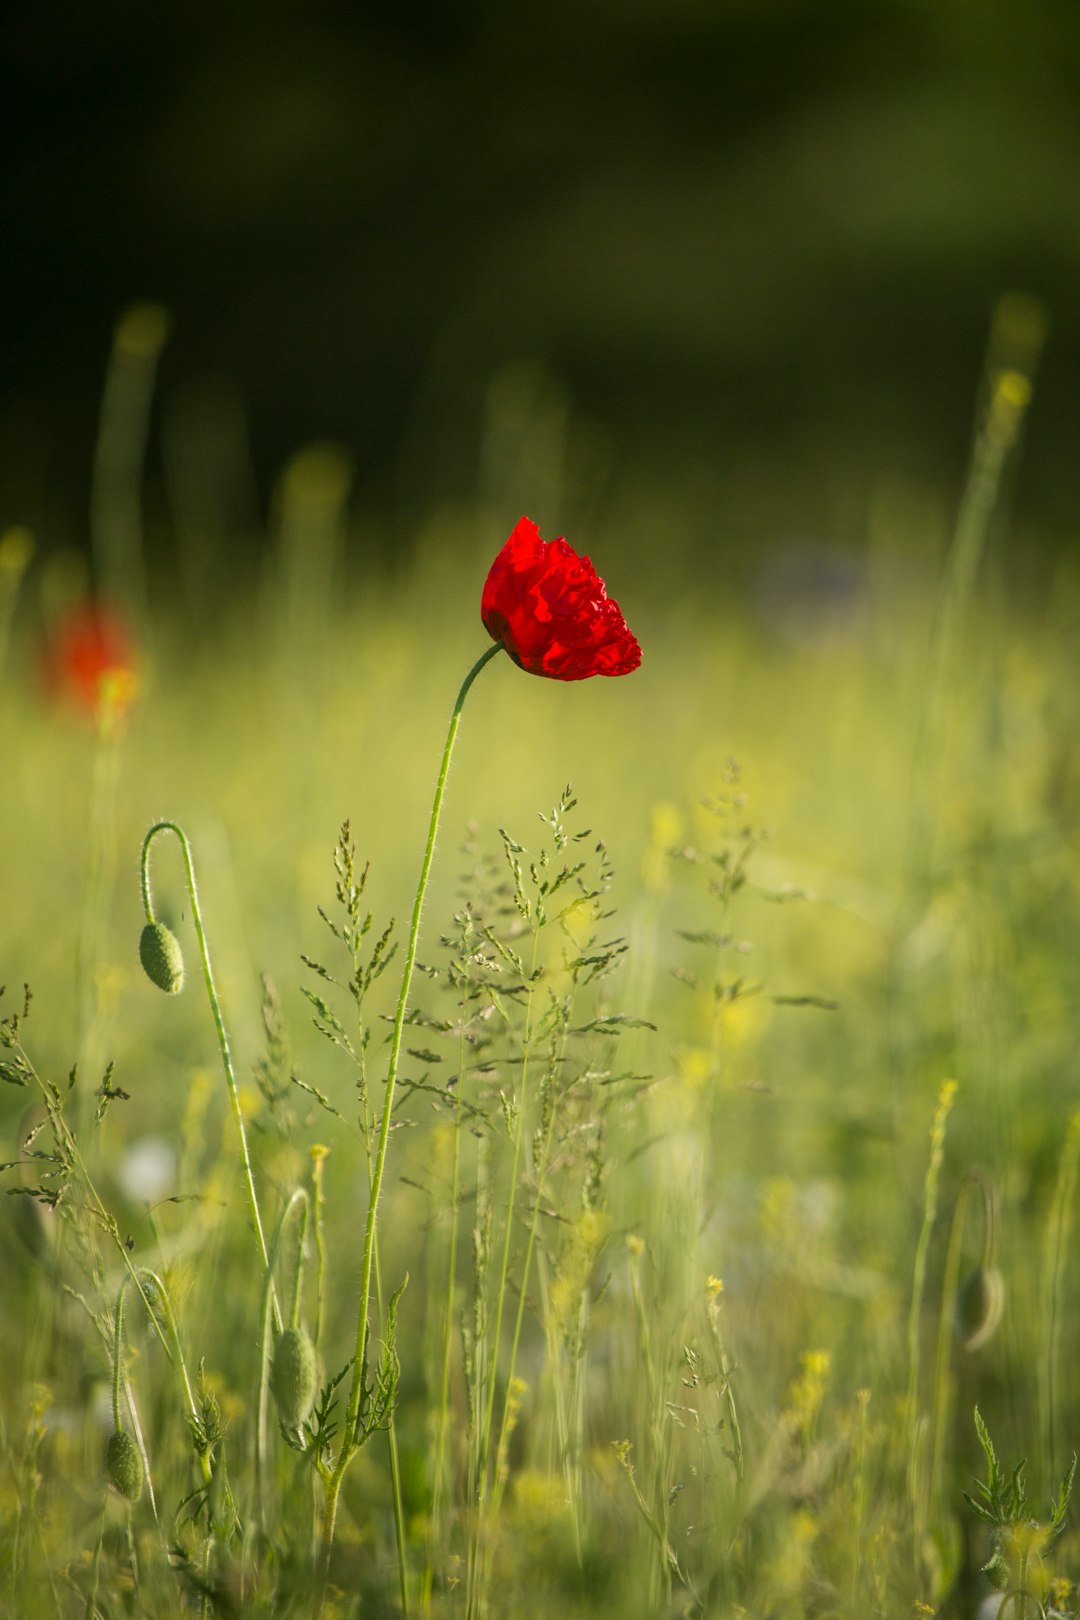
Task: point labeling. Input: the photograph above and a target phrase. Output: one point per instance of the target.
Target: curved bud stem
(989, 1203)
(155, 1296)
(219, 1022)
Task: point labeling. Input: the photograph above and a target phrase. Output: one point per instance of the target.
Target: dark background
(752, 246)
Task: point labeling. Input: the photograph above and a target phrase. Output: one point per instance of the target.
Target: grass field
(735, 1141)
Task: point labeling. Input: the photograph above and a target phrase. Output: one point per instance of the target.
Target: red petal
(551, 610)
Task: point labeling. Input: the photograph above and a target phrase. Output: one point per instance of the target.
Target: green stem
(395, 1472)
(946, 1330)
(475, 1574)
(534, 1222)
(219, 1022)
(298, 1266)
(438, 1479)
(349, 1441)
(299, 1200)
(356, 1389)
(916, 1485)
(725, 1369)
(1055, 1250)
(100, 871)
(448, 1320)
(173, 1347)
(118, 1352)
(566, 1401)
(318, 1159)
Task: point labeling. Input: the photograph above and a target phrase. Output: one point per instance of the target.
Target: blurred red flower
(89, 661)
(551, 610)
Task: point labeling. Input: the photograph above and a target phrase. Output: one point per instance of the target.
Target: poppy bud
(979, 1306)
(292, 1376)
(996, 1569)
(160, 954)
(125, 1465)
(154, 1300)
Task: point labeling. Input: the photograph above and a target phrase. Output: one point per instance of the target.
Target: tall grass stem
(946, 1098)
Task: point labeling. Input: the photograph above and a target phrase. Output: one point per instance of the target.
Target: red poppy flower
(551, 610)
(90, 662)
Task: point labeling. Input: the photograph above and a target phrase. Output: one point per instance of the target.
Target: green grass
(882, 898)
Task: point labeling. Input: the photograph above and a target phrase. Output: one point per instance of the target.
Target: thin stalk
(395, 1471)
(219, 1023)
(118, 1352)
(298, 1262)
(391, 1426)
(116, 527)
(578, 1406)
(946, 1321)
(1055, 1248)
(725, 1370)
(997, 435)
(496, 1493)
(474, 1573)
(91, 1610)
(567, 1457)
(476, 1345)
(918, 1287)
(174, 1351)
(318, 1159)
(173, 1348)
(508, 1226)
(863, 1400)
(16, 554)
(298, 1200)
(933, 763)
(140, 1441)
(438, 1481)
(349, 1440)
(659, 1575)
(100, 869)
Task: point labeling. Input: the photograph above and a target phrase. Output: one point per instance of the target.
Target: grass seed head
(162, 958)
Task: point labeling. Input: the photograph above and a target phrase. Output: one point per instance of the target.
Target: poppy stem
(178, 832)
(353, 1435)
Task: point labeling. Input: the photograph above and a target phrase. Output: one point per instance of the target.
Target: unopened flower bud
(154, 1300)
(162, 958)
(292, 1376)
(996, 1569)
(123, 1460)
(979, 1306)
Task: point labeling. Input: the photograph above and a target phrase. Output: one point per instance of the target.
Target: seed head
(292, 1376)
(979, 1306)
(125, 1465)
(162, 958)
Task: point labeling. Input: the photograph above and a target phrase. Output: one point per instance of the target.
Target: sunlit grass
(723, 1399)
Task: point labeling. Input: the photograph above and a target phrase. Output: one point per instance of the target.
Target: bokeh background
(725, 268)
(770, 305)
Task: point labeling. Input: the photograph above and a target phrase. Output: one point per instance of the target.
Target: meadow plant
(1017, 1566)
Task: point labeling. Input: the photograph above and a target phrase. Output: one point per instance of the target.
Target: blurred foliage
(752, 247)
